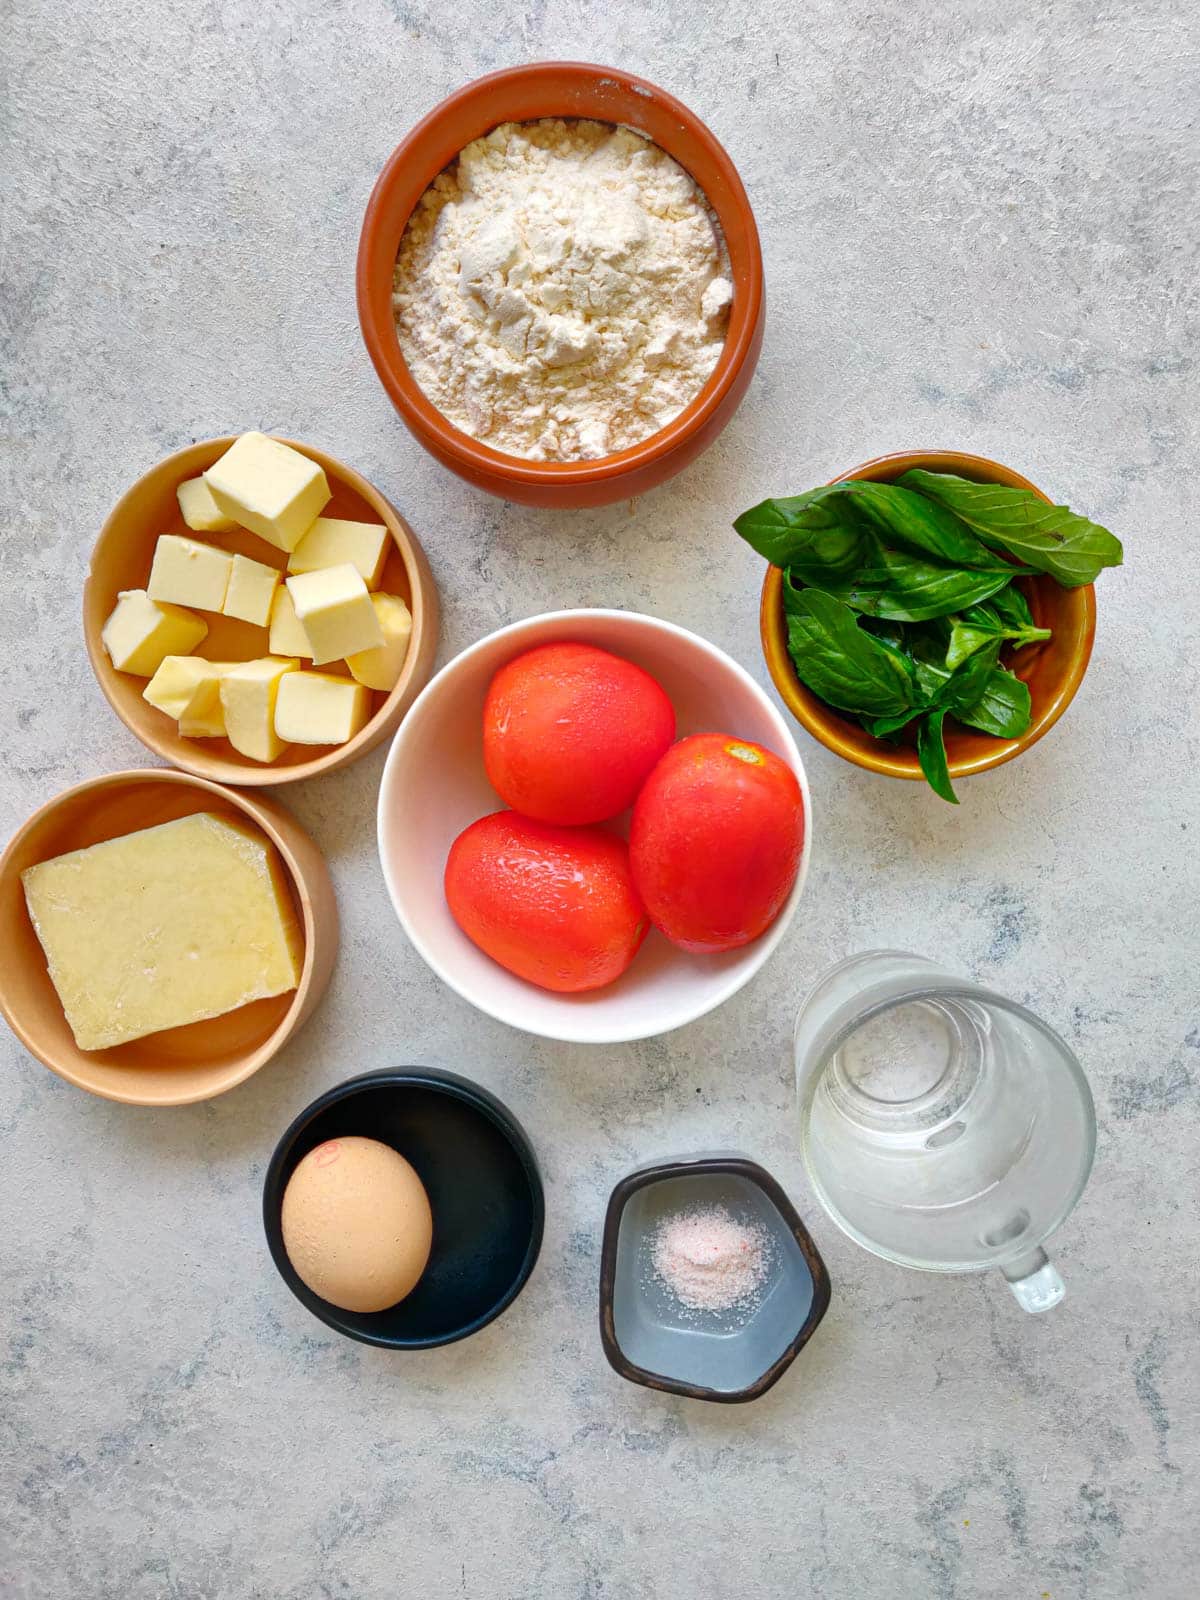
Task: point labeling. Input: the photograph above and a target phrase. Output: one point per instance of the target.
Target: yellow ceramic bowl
(1053, 669)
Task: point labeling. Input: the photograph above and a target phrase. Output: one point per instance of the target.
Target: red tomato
(570, 732)
(716, 840)
(556, 906)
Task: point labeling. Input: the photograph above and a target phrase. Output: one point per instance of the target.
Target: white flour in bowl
(561, 290)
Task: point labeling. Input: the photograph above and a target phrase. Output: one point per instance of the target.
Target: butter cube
(169, 925)
(380, 668)
(248, 693)
(188, 688)
(178, 677)
(319, 708)
(204, 716)
(331, 541)
(269, 488)
(335, 611)
(187, 573)
(140, 633)
(200, 511)
(287, 637)
(251, 591)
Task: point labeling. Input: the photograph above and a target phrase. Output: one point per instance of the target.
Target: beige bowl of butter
(122, 561)
(200, 952)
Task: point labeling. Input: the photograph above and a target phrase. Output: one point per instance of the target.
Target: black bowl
(484, 1189)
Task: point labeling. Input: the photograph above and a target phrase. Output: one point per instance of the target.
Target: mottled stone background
(980, 226)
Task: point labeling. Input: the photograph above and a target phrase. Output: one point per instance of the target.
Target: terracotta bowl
(1053, 669)
(524, 94)
(121, 560)
(179, 1065)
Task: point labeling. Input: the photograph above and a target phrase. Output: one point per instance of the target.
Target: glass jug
(942, 1126)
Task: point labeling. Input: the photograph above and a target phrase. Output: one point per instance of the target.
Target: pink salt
(708, 1259)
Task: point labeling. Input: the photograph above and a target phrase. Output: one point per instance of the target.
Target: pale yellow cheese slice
(380, 668)
(169, 925)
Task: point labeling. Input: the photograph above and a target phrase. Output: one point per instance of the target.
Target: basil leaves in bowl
(930, 614)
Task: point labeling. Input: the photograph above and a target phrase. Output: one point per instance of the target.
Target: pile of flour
(561, 290)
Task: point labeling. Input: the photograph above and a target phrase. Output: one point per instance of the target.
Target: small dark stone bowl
(650, 1338)
(484, 1189)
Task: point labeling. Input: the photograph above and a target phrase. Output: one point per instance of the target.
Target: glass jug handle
(1035, 1281)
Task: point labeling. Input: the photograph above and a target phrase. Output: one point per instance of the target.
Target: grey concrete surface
(980, 229)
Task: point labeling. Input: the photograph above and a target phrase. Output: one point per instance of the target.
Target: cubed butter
(186, 572)
(174, 685)
(331, 541)
(380, 668)
(248, 692)
(140, 633)
(251, 591)
(204, 716)
(320, 708)
(269, 488)
(287, 637)
(170, 925)
(200, 511)
(335, 611)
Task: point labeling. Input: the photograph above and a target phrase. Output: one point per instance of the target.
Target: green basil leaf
(892, 633)
(919, 524)
(966, 640)
(841, 661)
(1049, 538)
(998, 619)
(884, 727)
(1011, 607)
(969, 680)
(820, 529)
(1004, 709)
(931, 753)
(906, 588)
(932, 678)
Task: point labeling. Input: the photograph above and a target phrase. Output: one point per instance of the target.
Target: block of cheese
(287, 637)
(332, 540)
(320, 708)
(269, 488)
(335, 611)
(251, 591)
(186, 572)
(169, 925)
(140, 633)
(200, 511)
(174, 685)
(248, 694)
(380, 668)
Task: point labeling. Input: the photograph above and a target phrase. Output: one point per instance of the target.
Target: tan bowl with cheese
(104, 964)
(125, 556)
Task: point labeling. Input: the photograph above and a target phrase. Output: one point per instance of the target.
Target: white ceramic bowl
(434, 784)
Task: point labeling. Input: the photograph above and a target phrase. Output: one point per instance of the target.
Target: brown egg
(356, 1224)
